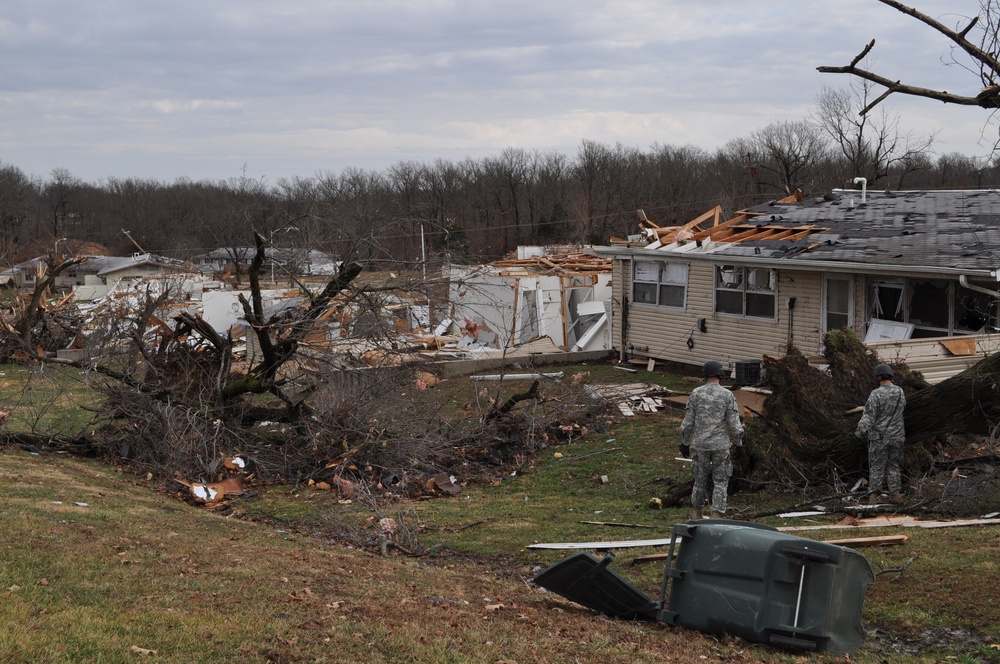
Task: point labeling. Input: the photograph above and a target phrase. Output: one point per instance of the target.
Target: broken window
(660, 283)
(742, 291)
(929, 310)
(935, 307)
(974, 311)
(886, 300)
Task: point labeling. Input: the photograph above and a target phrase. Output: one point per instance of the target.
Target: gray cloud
(199, 89)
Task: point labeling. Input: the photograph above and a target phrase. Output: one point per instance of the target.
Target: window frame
(664, 280)
(737, 287)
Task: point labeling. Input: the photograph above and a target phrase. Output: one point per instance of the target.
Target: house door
(838, 302)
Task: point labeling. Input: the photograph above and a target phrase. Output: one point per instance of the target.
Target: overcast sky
(205, 88)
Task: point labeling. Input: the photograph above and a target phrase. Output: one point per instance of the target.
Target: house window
(929, 308)
(934, 307)
(886, 300)
(838, 303)
(746, 291)
(659, 283)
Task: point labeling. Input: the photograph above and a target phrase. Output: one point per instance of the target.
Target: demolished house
(913, 273)
(542, 292)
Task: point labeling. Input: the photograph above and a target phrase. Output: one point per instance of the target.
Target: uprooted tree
(805, 436)
(174, 400)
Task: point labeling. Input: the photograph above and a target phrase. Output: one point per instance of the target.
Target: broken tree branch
(988, 63)
(899, 576)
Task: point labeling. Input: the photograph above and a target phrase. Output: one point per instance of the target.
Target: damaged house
(543, 292)
(914, 273)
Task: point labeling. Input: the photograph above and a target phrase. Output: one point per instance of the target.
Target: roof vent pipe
(864, 187)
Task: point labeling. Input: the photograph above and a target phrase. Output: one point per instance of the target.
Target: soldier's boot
(896, 498)
(718, 515)
(698, 513)
(873, 498)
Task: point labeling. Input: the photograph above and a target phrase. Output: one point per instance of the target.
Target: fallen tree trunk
(806, 432)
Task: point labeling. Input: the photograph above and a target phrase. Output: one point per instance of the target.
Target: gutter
(802, 264)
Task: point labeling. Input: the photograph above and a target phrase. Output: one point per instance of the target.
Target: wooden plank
(894, 521)
(869, 541)
(601, 546)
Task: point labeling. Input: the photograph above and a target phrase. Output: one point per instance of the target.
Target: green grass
(46, 399)
(140, 567)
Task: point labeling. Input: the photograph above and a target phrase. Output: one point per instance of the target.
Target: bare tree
(872, 145)
(58, 193)
(16, 190)
(781, 155)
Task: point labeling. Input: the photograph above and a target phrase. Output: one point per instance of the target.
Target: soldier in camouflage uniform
(882, 422)
(711, 422)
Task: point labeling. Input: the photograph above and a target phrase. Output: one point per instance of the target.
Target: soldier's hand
(859, 441)
(685, 451)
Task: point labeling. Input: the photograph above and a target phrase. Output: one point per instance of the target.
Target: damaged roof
(956, 231)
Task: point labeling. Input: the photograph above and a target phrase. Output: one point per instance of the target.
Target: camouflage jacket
(883, 418)
(711, 419)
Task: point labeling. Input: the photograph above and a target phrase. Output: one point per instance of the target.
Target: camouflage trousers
(717, 464)
(884, 457)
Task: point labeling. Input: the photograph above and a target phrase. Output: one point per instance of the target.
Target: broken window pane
(929, 304)
(746, 291)
(660, 283)
(729, 276)
(974, 311)
(886, 301)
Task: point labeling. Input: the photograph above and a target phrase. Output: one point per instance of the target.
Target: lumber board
(601, 546)
(869, 541)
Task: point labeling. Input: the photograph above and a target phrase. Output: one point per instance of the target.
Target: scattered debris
(444, 483)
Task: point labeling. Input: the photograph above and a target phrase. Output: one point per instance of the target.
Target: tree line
(478, 210)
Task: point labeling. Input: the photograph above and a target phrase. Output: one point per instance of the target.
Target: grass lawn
(104, 566)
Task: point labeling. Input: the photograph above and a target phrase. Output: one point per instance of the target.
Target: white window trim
(661, 269)
(743, 290)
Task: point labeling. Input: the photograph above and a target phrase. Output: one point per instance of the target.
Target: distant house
(137, 266)
(281, 259)
(914, 273)
(219, 259)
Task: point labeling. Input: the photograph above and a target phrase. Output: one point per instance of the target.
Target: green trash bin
(753, 581)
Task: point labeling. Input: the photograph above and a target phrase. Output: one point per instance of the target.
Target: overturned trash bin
(738, 578)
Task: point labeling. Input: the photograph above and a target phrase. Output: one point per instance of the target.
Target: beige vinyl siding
(662, 333)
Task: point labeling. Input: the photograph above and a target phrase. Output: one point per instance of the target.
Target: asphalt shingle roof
(953, 230)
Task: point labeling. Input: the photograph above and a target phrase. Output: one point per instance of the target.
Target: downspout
(864, 187)
(964, 280)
